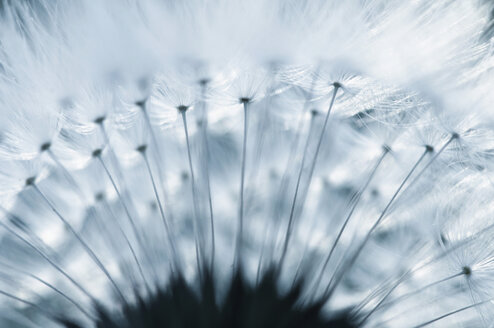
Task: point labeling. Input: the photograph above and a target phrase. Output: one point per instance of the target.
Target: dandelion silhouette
(257, 163)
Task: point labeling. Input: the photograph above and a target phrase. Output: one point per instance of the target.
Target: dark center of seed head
(30, 181)
(466, 270)
(99, 196)
(182, 108)
(179, 305)
(429, 148)
(141, 104)
(204, 82)
(97, 153)
(337, 85)
(142, 149)
(100, 120)
(245, 100)
(45, 146)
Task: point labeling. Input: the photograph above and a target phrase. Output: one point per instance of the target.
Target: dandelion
(246, 164)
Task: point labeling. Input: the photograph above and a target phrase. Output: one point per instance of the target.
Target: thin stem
(339, 276)
(74, 183)
(67, 173)
(286, 175)
(417, 291)
(50, 261)
(19, 224)
(112, 155)
(162, 213)
(380, 304)
(208, 182)
(294, 201)
(55, 289)
(129, 245)
(299, 178)
(410, 272)
(453, 312)
(453, 137)
(355, 200)
(195, 198)
(240, 232)
(377, 291)
(294, 146)
(46, 313)
(400, 313)
(85, 246)
(126, 209)
(158, 153)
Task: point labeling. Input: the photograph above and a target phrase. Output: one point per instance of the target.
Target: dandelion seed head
(245, 163)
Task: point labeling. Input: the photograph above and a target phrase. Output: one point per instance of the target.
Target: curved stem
(314, 161)
(380, 304)
(239, 244)
(84, 245)
(337, 278)
(339, 275)
(162, 213)
(55, 289)
(355, 199)
(126, 209)
(129, 245)
(453, 312)
(195, 198)
(50, 261)
(46, 313)
(208, 181)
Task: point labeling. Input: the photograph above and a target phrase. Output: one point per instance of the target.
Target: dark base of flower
(260, 306)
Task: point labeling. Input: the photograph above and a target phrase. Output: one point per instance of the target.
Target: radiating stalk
(453, 312)
(288, 233)
(416, 308)
(85, 246)
(286, 174)
(119, 175)
(129, 245)
(158, 150)
(295, 143)
(124, 205)
(380, 304)
(453, 137)
(19, 224)
(410, 272)
(208, 181)
(240, 233)
(42, 311)
(50, 261)
(171, 241)
(195, 198)
(154, 140)
(417, 291)
(67, 173)
(377, 291)
(355, 201)
(302, 165)
(338, 276)
(74, 183)
(55, 289)
(111, 153)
